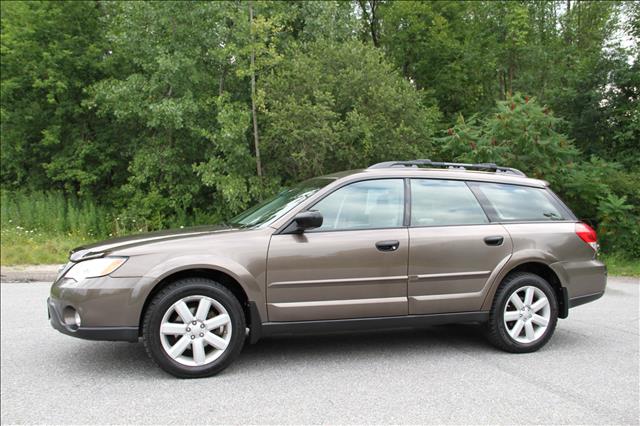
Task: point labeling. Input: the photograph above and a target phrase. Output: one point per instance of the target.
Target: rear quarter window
(515, 203)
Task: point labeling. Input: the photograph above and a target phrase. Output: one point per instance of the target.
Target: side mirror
(303, 221)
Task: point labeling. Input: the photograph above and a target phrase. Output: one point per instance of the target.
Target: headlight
(61, 270)
(94, 268)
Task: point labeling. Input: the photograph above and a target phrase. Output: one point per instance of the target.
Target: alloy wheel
(527, 314)
(195, 330)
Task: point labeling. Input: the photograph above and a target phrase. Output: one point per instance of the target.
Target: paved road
(588, 373)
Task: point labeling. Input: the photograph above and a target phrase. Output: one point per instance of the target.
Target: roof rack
(485, 167)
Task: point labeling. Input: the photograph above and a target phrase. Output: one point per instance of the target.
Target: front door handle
(391, 245)
(494, 240)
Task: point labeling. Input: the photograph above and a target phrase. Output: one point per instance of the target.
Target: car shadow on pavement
(370, 343)
(130, 359)
(109, 359)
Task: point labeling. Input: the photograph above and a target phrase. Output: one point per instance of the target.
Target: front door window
(370, 204)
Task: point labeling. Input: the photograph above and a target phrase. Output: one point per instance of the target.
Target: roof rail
(485, 167)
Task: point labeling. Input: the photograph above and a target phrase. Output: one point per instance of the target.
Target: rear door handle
(494, 240)
(391, 245)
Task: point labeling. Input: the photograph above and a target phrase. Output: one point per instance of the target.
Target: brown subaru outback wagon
(400, 244)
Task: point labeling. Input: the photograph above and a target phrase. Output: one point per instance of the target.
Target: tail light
(587, 234)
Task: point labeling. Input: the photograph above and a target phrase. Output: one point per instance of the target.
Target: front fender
(219, 263)
(238, 272)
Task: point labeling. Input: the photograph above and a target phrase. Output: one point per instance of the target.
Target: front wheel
(194, 328)
(524, 313)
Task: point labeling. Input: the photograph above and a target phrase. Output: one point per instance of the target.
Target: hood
(101, 248)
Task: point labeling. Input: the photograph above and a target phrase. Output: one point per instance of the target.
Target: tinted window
(444, 202)
(520, 203)
(363, 205)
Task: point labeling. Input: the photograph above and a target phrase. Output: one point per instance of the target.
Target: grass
(621, 266)
(54, 213)
(41, 227)
(24, 248)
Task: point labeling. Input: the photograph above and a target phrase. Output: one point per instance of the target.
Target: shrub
(521, 133)
(526, 135)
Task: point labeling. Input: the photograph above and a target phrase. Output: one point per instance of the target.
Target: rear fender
(518, 258)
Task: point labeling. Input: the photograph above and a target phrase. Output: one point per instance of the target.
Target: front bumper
(125, 334)
(109, 308)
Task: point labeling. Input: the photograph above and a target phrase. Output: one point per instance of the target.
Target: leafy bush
(526, 135)
(619, 226)
(521, 133)
(608, 196)
(338, 107)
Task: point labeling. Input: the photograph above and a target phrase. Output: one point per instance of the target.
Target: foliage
(52, 212)
(607, 195)
(319, 122)
(50, 53)
(524, 134)
(566, 54)
(619, 229)
(230, 168)
(141, 111)
(620, 121)
(435, 47)
(521, 133)
(163, 96)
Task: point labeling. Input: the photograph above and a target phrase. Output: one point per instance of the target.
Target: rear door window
(436, 202)
(515, 203)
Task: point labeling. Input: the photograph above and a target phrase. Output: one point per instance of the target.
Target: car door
(453, 250)
(353, 266)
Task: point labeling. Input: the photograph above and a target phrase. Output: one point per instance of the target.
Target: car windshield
(268, 211)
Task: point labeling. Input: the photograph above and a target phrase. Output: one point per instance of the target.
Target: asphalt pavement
(587, 374)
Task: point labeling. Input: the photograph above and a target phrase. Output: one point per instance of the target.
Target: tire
(524, 329)
(207, 342)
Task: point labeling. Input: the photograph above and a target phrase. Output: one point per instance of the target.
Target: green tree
(229, 165)
(157, 110)
(434, 46)
(341, 106)
(51, 51)
(178, 58)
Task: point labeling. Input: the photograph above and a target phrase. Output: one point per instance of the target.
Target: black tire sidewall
(175, 292)
(505, 292)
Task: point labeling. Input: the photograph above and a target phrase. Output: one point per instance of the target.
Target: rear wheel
(524, 313)
(194, 328)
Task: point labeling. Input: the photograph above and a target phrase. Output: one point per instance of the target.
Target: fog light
(71, 318)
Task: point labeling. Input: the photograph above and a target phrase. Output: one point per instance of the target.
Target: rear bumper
(583, 278)
(125, 334)
(582, 282)
(581, 300)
